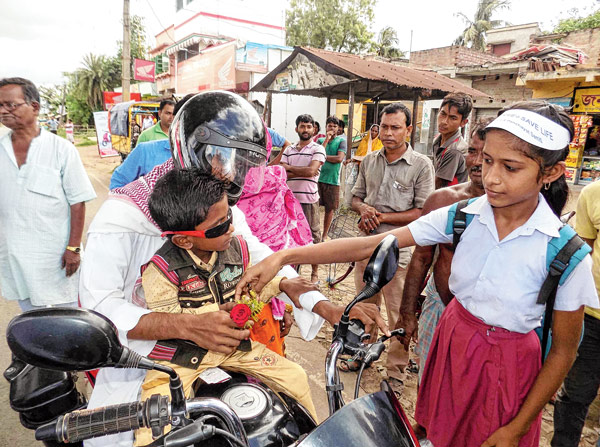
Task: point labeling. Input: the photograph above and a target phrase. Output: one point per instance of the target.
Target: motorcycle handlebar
(86, 424)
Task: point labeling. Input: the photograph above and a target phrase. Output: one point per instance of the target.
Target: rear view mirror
(64, 339)
(383, 263)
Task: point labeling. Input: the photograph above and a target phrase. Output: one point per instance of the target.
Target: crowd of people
(198, 216)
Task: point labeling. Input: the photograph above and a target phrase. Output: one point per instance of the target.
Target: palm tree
(93, 79)
(387, 43)
(474, 34)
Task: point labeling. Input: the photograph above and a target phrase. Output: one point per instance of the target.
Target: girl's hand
(504, 437)
(257, 276)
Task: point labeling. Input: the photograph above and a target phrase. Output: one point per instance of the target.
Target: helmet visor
(236, 165)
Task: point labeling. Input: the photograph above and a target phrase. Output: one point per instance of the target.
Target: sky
(40, 40)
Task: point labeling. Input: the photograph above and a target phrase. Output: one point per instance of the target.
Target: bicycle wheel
(344, 224)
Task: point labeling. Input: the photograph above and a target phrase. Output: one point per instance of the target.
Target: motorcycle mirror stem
(380, 270)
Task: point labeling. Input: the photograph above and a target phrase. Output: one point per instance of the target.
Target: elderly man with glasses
(43, 190)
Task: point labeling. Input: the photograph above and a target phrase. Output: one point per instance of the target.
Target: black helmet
(223, 134)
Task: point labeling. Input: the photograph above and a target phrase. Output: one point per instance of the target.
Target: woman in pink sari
(274, 215)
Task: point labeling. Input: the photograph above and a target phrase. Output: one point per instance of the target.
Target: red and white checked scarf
(138, 192)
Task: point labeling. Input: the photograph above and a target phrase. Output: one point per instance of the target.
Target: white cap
(533, 128)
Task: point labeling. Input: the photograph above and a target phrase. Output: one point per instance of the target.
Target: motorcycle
(237, 413)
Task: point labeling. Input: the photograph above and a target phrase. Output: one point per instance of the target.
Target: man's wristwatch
(74, 249)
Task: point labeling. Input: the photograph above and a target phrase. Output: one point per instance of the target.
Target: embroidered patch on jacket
(268, 360)
(229, 274)
(192, 283)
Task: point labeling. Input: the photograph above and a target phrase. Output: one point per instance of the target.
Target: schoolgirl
(484, 383)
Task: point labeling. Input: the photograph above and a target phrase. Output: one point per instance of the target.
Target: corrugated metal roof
(371, 78)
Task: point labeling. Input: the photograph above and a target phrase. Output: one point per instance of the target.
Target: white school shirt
(120, 240)
(499, 281)
(35, 218)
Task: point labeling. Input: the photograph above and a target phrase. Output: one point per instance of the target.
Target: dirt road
(310, 355)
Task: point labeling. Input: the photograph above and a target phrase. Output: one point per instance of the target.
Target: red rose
(240, 314)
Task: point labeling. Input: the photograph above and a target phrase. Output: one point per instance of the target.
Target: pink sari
(274, 215)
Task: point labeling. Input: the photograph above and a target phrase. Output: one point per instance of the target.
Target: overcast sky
(40, 40)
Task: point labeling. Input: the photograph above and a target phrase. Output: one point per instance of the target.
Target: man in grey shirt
(390, 191)
(449, 147)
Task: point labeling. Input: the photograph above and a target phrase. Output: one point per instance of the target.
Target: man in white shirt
(43, 190)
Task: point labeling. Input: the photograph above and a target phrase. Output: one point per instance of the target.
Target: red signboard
(143, 70)
(112, 98)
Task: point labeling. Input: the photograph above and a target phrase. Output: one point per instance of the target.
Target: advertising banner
(144, 70)
(212, 69)
(253, 57)
(112, 98)
(105, 148)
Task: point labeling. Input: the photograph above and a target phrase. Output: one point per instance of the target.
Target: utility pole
(62, 105)
(126, 56)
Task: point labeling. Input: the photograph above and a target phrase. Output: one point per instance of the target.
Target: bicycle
(344, 224)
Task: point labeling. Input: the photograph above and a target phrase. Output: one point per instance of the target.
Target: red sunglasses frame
(211, 233)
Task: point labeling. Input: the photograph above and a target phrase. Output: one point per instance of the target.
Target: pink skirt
(476, 379)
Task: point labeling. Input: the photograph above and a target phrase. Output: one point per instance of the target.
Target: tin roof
(329, 74)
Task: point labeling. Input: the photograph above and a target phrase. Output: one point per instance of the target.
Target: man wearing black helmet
(222, 133)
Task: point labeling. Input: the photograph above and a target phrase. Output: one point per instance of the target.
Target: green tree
(93, 79)
(473, 35)
(338, 25)
(576, 23)
(51, 98)
(101, 73)
(387, 43)
(138, 49)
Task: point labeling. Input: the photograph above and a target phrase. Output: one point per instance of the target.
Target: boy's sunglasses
(216, 231)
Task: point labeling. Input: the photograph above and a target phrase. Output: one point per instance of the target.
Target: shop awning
(322, 73)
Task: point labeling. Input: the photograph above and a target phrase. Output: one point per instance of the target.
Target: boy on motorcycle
(195, 272)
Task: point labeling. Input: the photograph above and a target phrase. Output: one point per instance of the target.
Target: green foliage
(338, 25)
(137, 48)
(473, 35)
(78, 109)
(86, 142)
(93, 79)
(52, 98)
(387, 44)
(578, 23)
(101, 73)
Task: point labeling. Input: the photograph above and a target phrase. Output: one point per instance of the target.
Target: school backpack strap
(563, 254)
(458, 220)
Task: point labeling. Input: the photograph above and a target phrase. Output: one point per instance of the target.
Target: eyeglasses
(11, 106)
(211, 233)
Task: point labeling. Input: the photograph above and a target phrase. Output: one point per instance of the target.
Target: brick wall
(452, 56)
(587, 40)
(503, 90)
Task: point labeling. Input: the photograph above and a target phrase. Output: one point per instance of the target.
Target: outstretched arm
(339, 250)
